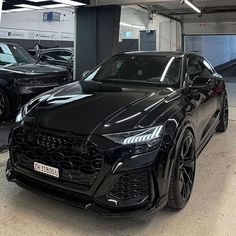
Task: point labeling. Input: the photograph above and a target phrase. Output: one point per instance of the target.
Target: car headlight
(149, 137)
(19, 116)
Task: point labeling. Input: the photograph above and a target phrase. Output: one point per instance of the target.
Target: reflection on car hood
(68, 108)
(31, 69)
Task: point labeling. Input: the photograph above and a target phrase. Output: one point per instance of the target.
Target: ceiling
(183, 12)
(212, 10)
(12, 4)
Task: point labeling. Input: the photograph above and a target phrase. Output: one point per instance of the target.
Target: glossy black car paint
(21, 82)
(93, 114)
(43, 56)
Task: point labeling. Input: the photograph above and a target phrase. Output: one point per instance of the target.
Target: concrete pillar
(97, 35)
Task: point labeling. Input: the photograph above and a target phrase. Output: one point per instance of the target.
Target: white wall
(168, 31)
(209, 28)
(30, 25)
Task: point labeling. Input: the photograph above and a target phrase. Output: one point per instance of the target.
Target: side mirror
(201, 83)
(85, 74)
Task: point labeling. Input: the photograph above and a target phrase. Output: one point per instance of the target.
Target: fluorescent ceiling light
(29, 6)
(55, 6)
(133, 26)
(36, 1)
(190, 4)
(69, 2)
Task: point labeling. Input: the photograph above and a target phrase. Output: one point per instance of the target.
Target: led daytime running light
(140, 138)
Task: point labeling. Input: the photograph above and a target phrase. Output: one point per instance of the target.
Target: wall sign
(34, 34)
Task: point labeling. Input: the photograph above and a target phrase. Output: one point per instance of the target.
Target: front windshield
(14, 54)
(143, 69)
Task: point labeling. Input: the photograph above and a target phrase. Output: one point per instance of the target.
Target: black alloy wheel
(224, 116)
(4, 106)
(183, 173)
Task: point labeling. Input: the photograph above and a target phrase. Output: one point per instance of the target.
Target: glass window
(194, 68)
(205, 70)
(161, 70)
(12, 54)
(58, 55)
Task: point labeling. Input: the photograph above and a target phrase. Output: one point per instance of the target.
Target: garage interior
(98, 29)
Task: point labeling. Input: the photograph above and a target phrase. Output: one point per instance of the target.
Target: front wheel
(224, 116)
(4, 106)
(183, 173)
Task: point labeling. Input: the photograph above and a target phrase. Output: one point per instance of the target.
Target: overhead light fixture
(70, 2)
(190, 4)
(55, 6)
(28, 6)
(133, 26)
(36, 1)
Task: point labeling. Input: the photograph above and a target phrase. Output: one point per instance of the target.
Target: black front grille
(77, 159)
(43, 80)
(133, 185)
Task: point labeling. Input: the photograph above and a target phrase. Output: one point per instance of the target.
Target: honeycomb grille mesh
(134, 185)
(43, 80)
(78, 161)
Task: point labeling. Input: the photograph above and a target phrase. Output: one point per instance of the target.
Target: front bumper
(68, 195)
(123, 187)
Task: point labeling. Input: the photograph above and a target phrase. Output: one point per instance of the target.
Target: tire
(4, 106)
(183, 173)
(224, 116)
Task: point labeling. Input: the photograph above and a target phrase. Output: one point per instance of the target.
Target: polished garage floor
(211, 210)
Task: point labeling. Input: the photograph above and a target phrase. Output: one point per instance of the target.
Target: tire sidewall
(6, 112)
(179, 200)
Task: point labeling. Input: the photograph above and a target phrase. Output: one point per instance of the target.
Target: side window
(51, 55)
(58, 55)
(64, 55)
(194, 68)
(207, 69)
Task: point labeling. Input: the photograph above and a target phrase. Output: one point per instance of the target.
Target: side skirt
(206, 140)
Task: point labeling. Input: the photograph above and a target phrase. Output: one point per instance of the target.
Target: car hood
(31, 69)
(71, 108)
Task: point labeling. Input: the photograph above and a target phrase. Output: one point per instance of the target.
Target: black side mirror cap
(201, 83)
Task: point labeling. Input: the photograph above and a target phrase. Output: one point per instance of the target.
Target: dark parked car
(21, 78)
(125, 139)
(56, 56)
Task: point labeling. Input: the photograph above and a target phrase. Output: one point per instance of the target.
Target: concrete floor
(211, 210)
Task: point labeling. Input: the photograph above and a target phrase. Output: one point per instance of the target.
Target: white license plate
(48, 170)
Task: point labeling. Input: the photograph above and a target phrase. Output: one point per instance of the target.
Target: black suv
(126, 138)
(22, 78)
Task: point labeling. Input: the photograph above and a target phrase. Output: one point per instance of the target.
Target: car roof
(164, 53)
(57, 49)
(155, 53)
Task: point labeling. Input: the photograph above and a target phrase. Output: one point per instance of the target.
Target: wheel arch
(181, 129)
